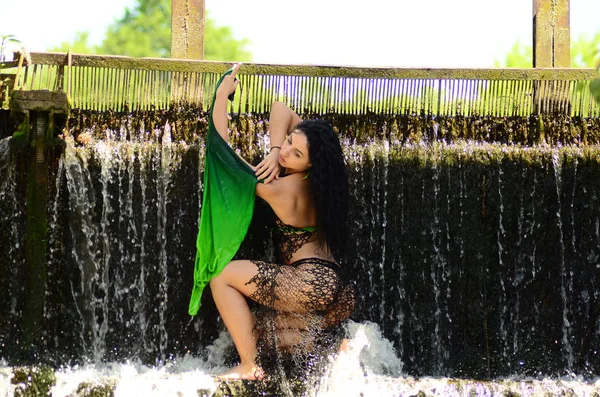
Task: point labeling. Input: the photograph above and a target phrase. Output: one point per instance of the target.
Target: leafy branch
(6, 41)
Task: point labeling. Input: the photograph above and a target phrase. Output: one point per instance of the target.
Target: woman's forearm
(221, 120)
(219, 115)
(281, 122)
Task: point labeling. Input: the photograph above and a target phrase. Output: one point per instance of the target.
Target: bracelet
(274, 147)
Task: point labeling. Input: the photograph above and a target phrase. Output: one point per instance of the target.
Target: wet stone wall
(184, 121)
(476, 256)
(481, 260)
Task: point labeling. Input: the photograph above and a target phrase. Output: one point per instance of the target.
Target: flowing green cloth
(227, 207)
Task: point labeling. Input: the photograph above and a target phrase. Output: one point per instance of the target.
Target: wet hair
(329, 181)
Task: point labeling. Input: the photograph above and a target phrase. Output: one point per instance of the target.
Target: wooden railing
(102, 83)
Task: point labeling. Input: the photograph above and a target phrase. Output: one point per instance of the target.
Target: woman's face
(293, 155)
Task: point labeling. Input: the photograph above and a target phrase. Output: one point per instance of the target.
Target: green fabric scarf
(227, 207)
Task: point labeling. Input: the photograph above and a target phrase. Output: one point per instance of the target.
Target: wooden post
(551, 49)
(551, 34)
(187, 42)
(187, 29)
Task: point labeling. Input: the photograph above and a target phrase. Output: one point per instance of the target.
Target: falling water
(564, 277)
(398, 290)
(476, 261)
(383, 223)
(120, 244)
(500, 237)
(491, 254)
(12, 239)
(438, 270)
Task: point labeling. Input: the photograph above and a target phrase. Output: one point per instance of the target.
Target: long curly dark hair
(329, 181)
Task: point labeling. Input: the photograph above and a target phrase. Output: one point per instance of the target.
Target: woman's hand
(229, 83)
(269, 168)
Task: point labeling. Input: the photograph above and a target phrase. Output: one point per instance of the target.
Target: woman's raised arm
(219, 111)
(282, 121)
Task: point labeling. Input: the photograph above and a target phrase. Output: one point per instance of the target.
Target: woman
(305, 293)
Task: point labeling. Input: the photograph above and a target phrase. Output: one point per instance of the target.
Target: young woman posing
(306, 293)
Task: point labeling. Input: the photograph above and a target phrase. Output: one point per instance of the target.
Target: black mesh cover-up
(302, 305)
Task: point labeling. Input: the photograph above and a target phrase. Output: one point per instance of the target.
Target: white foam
(178, 378)
(6, 388)
(369, 367)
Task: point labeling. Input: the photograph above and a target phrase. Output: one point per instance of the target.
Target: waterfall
(472, 260)
(120, 229)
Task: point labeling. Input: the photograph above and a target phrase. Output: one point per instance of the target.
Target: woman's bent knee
(225, 276)
(237, 274)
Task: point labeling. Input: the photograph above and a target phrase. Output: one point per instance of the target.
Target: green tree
(519, 56)
(584, 54)
(145, 31)
(79, 45)
(219, 44)
(585, 51)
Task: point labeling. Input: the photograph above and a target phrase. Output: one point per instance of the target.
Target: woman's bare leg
(228, 290)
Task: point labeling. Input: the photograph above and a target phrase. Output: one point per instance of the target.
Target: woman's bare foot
(243, 371)
(345, 346)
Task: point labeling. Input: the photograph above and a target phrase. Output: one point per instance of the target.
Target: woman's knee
(236, 274)
(223, 278)
(214, 281)
(223, 275)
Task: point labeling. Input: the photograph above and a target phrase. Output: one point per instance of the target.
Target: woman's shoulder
(283, 191)
(290, 184)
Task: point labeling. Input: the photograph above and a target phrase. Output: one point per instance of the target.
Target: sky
(385, 33)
